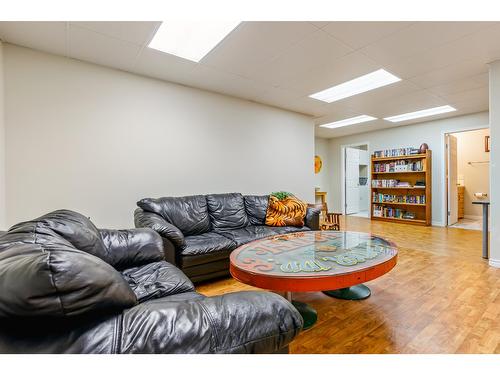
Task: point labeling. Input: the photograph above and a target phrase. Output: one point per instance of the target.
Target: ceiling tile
(354, 129)
(418, 38)
(98, 48)
(381, 96)
(255, 43)
(396, 105)
(226, 83)
(161, 65)
(479, 95)
(137, 32)
(450, 73)
(360, 34)
(315, 50)
(463, 84)
(481, 46)
(336, 112)
(44, 36)
(341, 70)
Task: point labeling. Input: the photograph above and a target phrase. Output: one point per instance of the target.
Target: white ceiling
(281, 63)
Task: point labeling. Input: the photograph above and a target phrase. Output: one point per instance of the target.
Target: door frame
(342, 174)
(444, 163)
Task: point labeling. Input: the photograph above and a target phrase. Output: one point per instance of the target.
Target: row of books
(399, 166)
(396, 213)
(391, 198)
(397, 183)
(385, 183)
(396, 152)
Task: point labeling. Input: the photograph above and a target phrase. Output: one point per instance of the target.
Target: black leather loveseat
(200, 231)
(67, 287)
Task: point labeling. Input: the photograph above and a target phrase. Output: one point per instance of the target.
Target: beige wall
(431, 132)
(2, 145)
(321, 179)
(96, 140)
(470, 147)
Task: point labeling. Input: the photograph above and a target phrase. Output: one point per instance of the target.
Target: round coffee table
(330, 261)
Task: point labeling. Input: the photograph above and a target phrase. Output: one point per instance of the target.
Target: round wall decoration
(318, 163)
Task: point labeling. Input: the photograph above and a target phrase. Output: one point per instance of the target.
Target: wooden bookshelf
(422, 211)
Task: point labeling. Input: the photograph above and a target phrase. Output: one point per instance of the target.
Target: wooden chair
(327, 220)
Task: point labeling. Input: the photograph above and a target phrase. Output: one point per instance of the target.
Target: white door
(351, 180)
(451, 170)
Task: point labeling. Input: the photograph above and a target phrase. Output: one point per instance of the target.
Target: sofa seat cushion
(285, 230)
(206, 243)
(155, 280)
(189, 214)
(248, 234)
(256, 207)
(227, 211)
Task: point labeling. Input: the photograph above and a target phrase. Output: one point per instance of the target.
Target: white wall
(495, 163)
(431, 132)
(2, 146)
(470, 147)
(96, 140)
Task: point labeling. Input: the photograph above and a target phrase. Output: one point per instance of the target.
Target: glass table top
(321, 253)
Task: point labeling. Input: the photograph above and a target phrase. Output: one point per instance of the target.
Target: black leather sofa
(200, 231)
(68, 287)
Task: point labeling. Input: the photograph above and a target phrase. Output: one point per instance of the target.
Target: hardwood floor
(441, 297)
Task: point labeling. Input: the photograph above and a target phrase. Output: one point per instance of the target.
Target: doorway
(356, 167)
(467, 177)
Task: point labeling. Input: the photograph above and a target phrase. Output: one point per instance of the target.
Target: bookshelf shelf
(393, 211)
(400, 203)
(403, 157)
(403, 172)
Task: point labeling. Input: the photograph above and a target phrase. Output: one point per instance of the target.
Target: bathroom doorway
(467, 177)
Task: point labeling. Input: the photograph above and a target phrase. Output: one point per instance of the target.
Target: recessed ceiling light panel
(356, 86)
(191, 40)
(348, 121)
(422, 113)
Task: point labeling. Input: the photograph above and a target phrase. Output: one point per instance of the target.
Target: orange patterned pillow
(288, 211)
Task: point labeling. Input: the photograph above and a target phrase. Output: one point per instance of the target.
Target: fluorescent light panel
(348, 121)
(422, 113)
(191, 40)
(356, 86)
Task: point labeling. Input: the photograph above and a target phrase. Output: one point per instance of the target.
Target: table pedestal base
(308, 313)
(352, 293)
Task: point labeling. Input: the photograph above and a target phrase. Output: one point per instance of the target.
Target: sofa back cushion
(75, 228)
(189, 214)
(42, 274)
(256, 208)
(227, 211)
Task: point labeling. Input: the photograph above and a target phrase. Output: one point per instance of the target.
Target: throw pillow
(284, 209)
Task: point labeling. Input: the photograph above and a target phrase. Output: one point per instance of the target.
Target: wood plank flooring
(441, 297)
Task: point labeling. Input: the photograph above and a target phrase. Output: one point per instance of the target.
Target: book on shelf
(393, 213)
(392, 198)
(396, 152)
(384, 183)
(399, 166)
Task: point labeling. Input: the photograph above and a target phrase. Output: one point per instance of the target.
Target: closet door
(351, 180)
(451, 173)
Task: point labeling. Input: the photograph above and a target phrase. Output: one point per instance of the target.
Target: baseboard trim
(495, 263)
(437, 224)
(473, 217)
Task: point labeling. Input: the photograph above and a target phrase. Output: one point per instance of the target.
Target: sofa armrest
(132, 247)
(242, 322)
(144, 219)
(312, 218)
